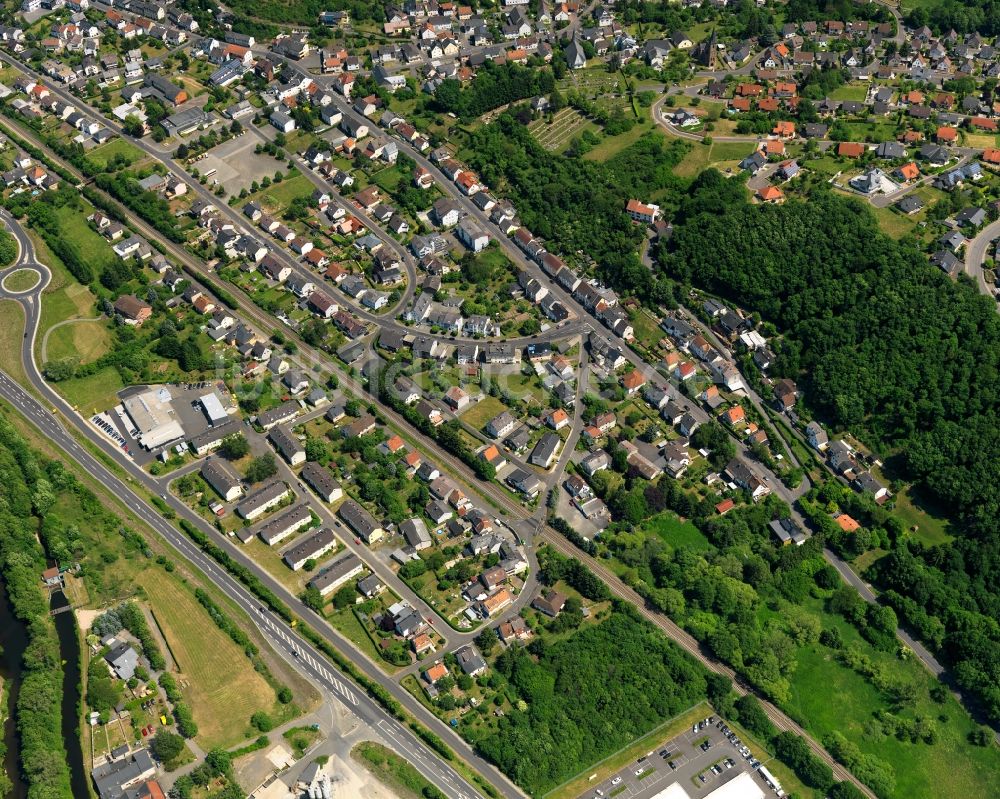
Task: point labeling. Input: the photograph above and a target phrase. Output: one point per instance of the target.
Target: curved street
(298, 653)
(528, 523)
(975, 254)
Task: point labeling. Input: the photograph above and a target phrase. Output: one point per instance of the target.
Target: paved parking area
(184, 402)
(236, 164)
(690, 764)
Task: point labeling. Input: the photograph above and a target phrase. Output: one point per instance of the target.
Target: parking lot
(236, 165)
(699, 762)
(184, 401)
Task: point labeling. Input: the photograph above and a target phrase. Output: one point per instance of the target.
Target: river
(13, 640)
(69, 649)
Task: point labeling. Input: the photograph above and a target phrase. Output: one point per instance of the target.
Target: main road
(305, 657)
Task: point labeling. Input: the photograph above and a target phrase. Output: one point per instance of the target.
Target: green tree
(234, 446)
(261, 468)
(167, 745)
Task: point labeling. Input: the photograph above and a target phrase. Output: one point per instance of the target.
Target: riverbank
(13, 641)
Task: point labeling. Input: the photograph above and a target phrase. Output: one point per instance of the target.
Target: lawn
(64, 297)
(392, 770)
(701, 156)
(849, 91)
(928, 528)
(918, 766)
(697, 159)
(479, 414)
(825, 165)
(893, 223)
(21, 280)
(523, 386)
(347, 624)
(101, 156)
(675, 532)
(94, 393)
(278, 196)
(610, 146)
(86, 339)
(388, 179)
(12, 324)
(92, 246)
(647, 331)
(301, 738)
(215, 675)
(980, 141)
(731, 150)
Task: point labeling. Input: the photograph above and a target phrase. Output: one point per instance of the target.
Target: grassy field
(64, 297)
(825, 165)
(390, 769)
(86, 339)
(675, 532)
(12, 324)
(850, 92)
(348, 625)
(92, 246)
(928, 528)
(388, 179)
(702, 156)
(610, 146)
(100, 156)
(893, 223)
(918, 766)
(215, 675)
(301, 738)
(980, 141)
(95, 393)
(479, 414)
(278, 196)
(524, 386)
(21, 280)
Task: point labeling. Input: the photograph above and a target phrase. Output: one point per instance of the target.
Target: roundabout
(21, 280)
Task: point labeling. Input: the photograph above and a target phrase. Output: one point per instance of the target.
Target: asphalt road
(689, 644)
(303, 656)
(975, 254)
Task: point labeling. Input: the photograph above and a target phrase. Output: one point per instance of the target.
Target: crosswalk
(442, 775)
(318, 668)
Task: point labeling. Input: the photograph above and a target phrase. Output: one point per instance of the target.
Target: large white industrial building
(154, 418)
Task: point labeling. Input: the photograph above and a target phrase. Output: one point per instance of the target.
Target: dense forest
(578, 205)
(27, 494)
(586, 696)
(492, 87)
(950, 596)
(965, 17)
(888, 347)
(883, 344)
(819, 10)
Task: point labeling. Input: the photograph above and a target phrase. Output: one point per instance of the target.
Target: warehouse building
(152, 415)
